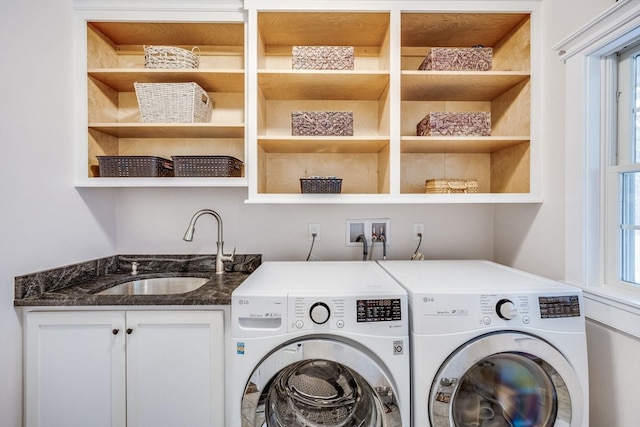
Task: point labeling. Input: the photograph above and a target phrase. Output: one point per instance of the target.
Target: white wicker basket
(170, 57)
(173, 103)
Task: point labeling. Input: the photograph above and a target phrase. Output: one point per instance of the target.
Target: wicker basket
(458, 59)
(125, 166)
(442, 123)
(451, 186)
(322, 123)
(321, 185)
(322, 57)
(170, 57)
(226, 166)
(173, 103)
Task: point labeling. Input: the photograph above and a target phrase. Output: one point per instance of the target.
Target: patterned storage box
(458, 59)
(226, 166)
(322, 57)
(141, 166)
(451, 185)
(440, 123)
(322, 123)
(316, 184)
(173, 103)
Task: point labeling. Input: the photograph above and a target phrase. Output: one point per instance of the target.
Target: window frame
(616, 72)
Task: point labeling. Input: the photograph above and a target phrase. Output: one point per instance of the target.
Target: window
(622, 188)
(601, 166)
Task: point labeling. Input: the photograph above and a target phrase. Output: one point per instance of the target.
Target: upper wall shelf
(389, 95)
(384, 161)
(115, 61)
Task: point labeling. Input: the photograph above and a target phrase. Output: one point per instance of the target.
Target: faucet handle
(134, 268)
(229, 257)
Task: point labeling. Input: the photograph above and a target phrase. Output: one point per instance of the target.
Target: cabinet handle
(129, 330)
(115, 331)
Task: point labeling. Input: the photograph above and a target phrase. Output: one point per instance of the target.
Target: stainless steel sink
(156, 286)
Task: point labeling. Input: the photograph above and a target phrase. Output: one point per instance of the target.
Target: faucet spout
(220, 256)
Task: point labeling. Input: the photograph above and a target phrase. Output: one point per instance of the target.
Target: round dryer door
(506, 380)
(319, 382)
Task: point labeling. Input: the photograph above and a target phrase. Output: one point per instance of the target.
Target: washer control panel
(348, 313)
(379, 310)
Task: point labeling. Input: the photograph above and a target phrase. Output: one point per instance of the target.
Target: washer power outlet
(314, 229)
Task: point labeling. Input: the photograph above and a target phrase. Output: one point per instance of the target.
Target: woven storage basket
(207, 166)
(322, 123)
(458, 59)
(451, 186)
(173, 103)
(145, 166)
(170, 57)
(320, 185)
(440, 123)
(322, 57)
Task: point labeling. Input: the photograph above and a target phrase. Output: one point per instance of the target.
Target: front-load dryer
(319, 344)
(493, 346)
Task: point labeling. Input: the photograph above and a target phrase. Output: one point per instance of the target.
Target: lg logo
(243, 301)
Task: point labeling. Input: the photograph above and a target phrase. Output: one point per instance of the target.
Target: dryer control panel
(437, 313)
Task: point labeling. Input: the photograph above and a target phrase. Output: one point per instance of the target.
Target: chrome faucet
(220, 256)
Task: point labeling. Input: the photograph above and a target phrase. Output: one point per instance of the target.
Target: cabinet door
(74, 369)
(175, 369)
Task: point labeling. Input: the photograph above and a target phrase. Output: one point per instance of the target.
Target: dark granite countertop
(76, 285)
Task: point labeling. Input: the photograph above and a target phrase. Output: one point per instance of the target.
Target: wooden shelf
(458, 85)
(458, 29)
(312, 85)
(169, 130)
(179, 182)
(322, 144)
(211, 80)
(461, 144)
(323, 28)
(172, 33)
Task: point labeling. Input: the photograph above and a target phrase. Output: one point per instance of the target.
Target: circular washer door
(506, 379)
(320, 382)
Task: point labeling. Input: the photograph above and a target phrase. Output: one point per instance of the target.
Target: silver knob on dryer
(319, 313)
(506, 309)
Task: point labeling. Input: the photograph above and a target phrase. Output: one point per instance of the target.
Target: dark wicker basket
(226, 166)
(141, 166)
(321, 185)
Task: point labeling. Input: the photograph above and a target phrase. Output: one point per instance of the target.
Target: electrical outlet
(418, 227)
(314, 229)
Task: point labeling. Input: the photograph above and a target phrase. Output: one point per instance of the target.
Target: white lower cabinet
(124, 368)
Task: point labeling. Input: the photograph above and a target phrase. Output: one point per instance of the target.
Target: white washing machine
(319, 344)
(493, 346)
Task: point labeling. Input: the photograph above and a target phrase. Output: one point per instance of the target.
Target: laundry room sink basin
(156, 286)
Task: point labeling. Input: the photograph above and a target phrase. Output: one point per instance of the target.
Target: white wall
(45, 222)
(154, 221)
